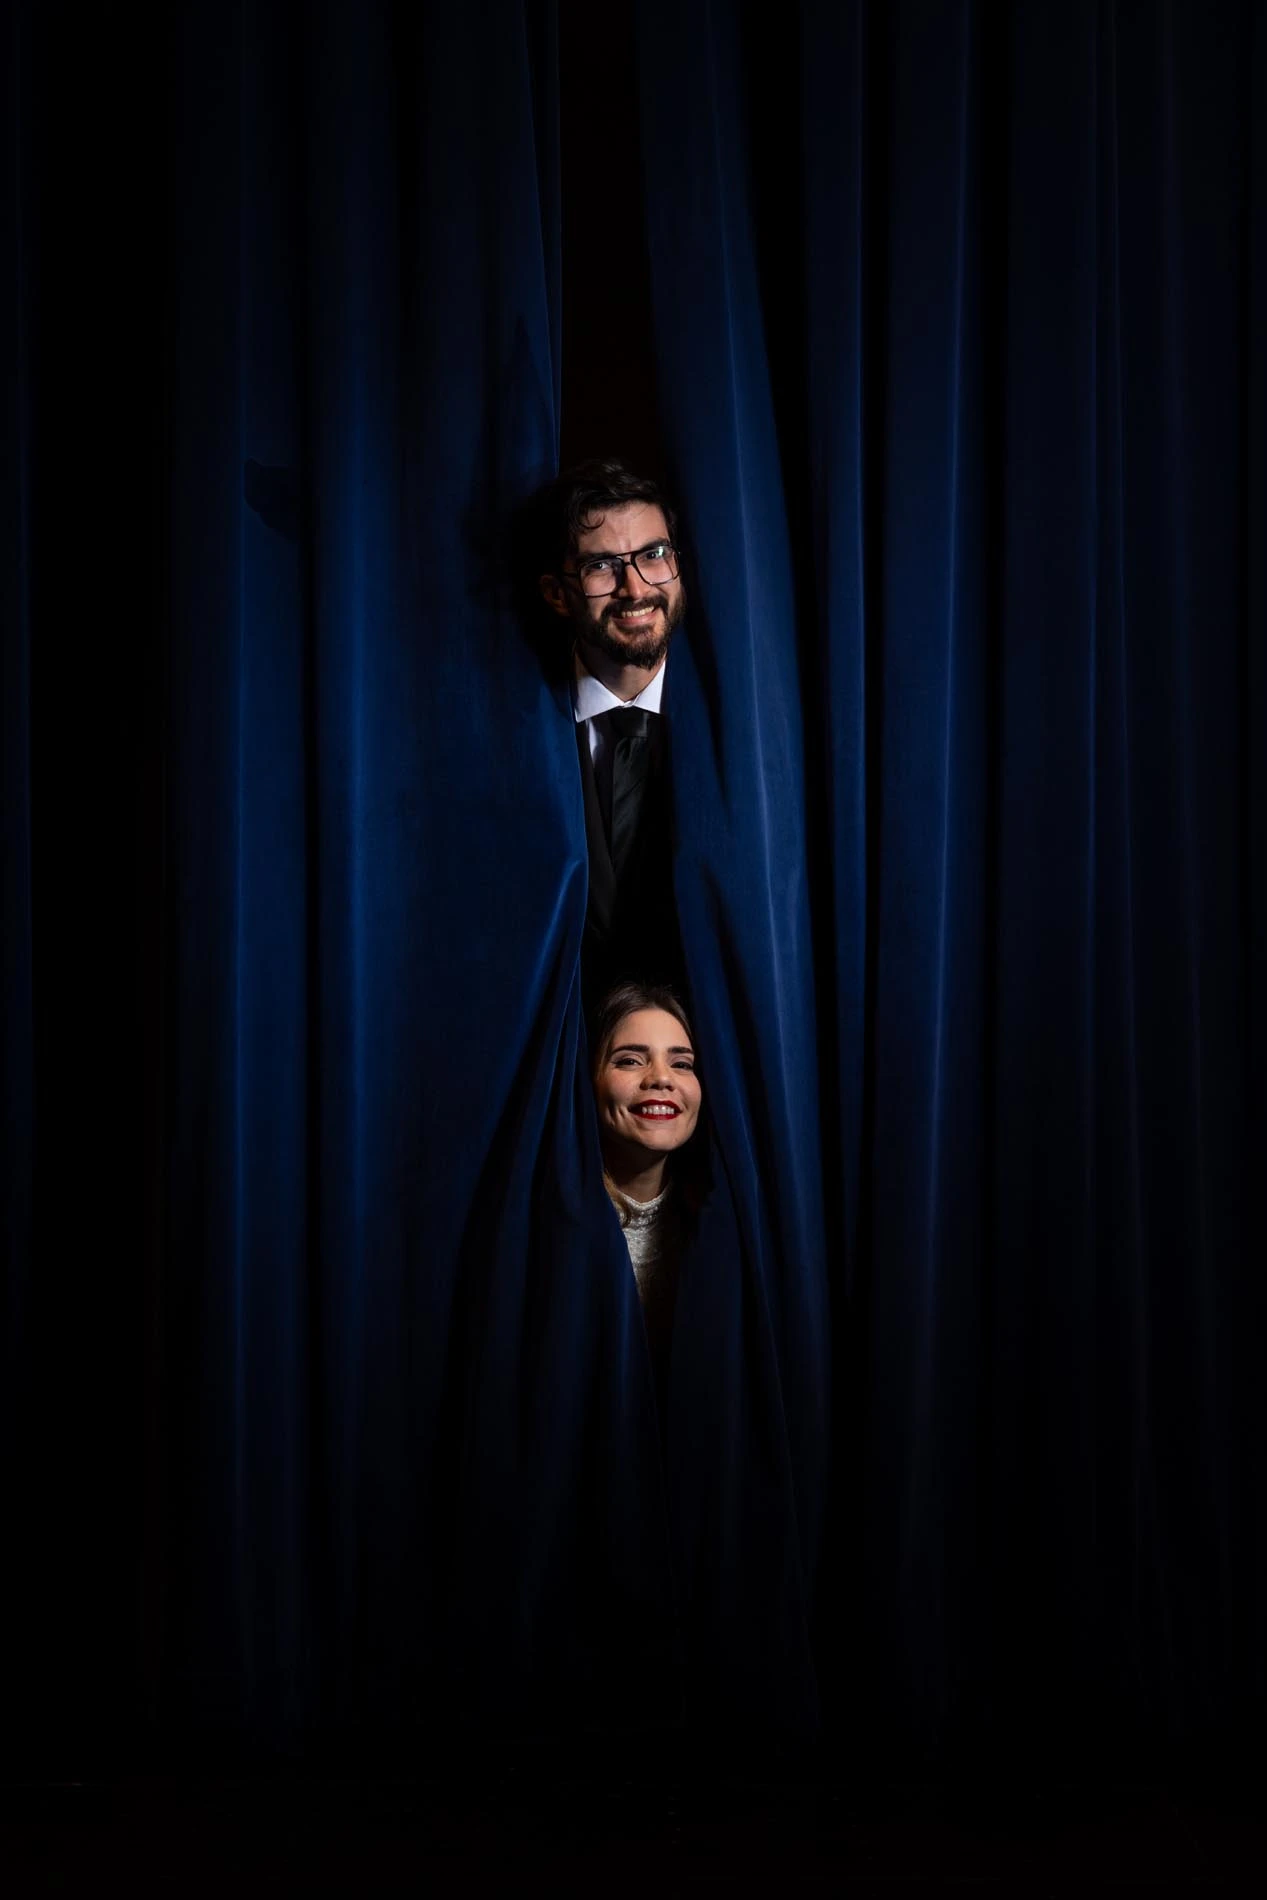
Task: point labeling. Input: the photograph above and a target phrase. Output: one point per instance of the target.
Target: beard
(644, 650)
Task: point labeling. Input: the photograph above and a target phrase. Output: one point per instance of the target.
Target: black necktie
(629, 729)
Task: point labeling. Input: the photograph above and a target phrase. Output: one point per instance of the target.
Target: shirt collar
(590, 697)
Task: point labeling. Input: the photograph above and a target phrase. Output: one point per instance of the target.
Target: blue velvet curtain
(961, 350)
(327, 1412)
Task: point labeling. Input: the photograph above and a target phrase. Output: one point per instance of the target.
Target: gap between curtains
(328, 1419)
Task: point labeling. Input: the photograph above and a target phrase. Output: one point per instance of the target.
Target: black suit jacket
(631, 922)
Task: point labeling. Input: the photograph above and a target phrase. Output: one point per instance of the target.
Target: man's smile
(624, 632)
(633, 616)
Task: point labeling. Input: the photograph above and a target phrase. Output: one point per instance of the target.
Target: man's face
(632, 625)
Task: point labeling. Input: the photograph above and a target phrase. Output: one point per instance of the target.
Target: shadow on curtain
(961, 361)
(333, 1416)
(327, 1414)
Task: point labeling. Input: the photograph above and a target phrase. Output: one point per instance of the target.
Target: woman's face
(647, 1091)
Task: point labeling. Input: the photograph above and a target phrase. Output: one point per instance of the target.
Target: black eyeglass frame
(622, 561)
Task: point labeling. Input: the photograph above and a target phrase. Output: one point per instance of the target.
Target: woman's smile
(647, 1091)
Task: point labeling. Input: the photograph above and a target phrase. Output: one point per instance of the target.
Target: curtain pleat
(751, 1370)
(329, 1418)
(958, 322)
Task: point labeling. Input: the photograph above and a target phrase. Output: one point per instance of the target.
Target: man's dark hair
(580, 496)
(542, 531)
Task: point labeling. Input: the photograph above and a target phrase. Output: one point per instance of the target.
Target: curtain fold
(329, 1419)
(958, 343)
(751, 1366)
(366, 1454)
(436, 1488)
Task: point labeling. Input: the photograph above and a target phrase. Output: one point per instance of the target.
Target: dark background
(975, 383)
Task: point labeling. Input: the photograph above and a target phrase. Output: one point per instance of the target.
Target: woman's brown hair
(623, 1001)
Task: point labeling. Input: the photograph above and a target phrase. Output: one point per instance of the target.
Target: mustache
(644, 600)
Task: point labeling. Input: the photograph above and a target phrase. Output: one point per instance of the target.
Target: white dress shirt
(590, 696)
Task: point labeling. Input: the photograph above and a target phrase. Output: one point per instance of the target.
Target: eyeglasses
(606, 572)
